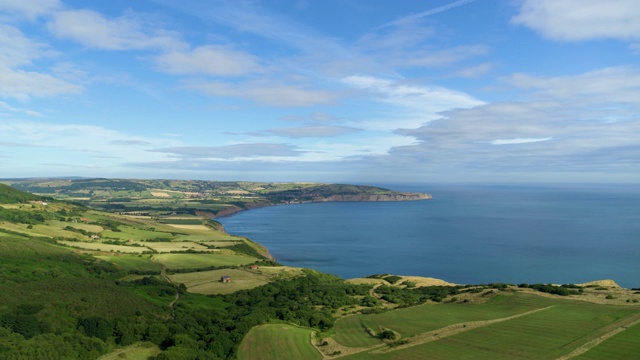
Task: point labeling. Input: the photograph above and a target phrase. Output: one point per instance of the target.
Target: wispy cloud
(414, 17)
(314, 131)
(235, 151)
(209, 60)
(518, 141)
(29, 9)
(276, 95)
(570, 20)
(126, 32)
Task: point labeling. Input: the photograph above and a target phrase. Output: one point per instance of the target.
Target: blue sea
(467, 234)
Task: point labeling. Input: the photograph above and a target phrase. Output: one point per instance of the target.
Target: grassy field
(195, 261)
(104, 247)
(624, 345)
(133, 262)
(277, 342)
(163, 247)
(556, 329)
(208, 282)
(414, 320)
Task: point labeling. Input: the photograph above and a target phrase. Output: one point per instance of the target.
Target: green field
(414, 320)
(208, 282)
(104, 247)
(195, 261)
(141, 263)
(164, 247)
(624, 345)
(560, 327)
(277, 342)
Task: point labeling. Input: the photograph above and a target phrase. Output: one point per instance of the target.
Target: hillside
(9, 195)
(81, 283)
(211, 198)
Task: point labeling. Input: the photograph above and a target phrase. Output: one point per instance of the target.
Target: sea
(467, 234)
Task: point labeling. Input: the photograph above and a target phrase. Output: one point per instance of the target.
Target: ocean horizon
(467, 234)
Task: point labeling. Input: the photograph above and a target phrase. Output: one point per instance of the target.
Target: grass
(163, 247)
(133, 262)
(208, 282)
(414, 320)
(139, 351)
(549, 333)
(277, 341)
(624, 345)
(104, 247)
(195, 261)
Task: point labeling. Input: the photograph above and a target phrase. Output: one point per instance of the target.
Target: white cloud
(209, 60)
(4, 105)
(267, 94)
(16, 49)
(476, 71)
(30, 9)
(20, 84)
(572, 20)
(428, 98)
(565, 123)
(616, 84)
(76, 143)
(518, 141)
(313, 131)
(127, 32)
(235, 151)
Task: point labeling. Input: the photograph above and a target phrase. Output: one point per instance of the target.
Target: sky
(358, 91)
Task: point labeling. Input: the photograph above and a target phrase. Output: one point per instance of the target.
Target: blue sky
(360, 91)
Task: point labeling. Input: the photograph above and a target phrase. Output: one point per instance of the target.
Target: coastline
(396, 197)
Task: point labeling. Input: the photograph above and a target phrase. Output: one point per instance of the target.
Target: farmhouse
(254, 267)
(225, 279)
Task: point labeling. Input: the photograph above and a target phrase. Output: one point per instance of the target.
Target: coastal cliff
(375, 198)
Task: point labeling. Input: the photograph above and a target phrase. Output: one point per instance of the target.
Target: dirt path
(623, 325)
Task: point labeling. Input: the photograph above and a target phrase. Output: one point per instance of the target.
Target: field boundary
(626, 323)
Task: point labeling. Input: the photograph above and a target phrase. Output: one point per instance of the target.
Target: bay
(467, 234)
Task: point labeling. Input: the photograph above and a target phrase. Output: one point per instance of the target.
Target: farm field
(104, 247)
(194, 261)
(624, 345)
(423, 318)
(277, 341)
(163, 247)
(512, 326)
(208, 282)
(133, 262)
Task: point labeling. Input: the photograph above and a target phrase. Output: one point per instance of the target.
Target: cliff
(375, 197)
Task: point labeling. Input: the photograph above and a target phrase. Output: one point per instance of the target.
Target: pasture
(127, 262)
(164, 247)
(104, 247)
(208, 282)
(521, 326)
(422, 318)
(196, 261)
(277, 341)
(623, 345)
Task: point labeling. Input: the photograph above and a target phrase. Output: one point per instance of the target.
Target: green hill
(9, 195)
